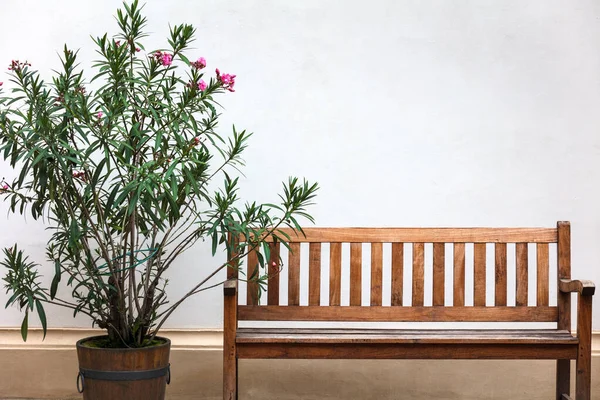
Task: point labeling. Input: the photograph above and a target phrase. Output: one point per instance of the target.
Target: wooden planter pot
(133, 374)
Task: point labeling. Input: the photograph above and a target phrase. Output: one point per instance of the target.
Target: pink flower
(166, 59)
(99, 115)
(196, 141)
(4, 186)
(17, 65)
(226, 80)
(137, 49)
(1, 83)
(200, 63)
(201, 85)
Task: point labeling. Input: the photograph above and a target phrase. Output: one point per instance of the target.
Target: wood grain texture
(274, 276)
(230, 325)
(418, 276)
(585, 288)
(252, 272)
(414, 336)
(563, 378)
(501, 288)
(232, 257)
(425, 235)
(376, 273)
(397, 273)
(459, 275)
(522, 265)
(479, 278)
(100, 359)
(355, 274)
(563, 257)
(563, 249)
(294, 275)
(408, 351)
(583, 376)
(398, 314)
(543, 271)
(439, 277)
(314, 274)
(335, 273)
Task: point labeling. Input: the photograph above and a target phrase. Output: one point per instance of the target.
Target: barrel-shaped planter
(133, 374)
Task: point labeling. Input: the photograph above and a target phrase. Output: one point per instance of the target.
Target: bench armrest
(230, 287)
(584, 288)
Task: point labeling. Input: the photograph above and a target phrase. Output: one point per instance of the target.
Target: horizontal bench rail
(397, 314)
(424, 235)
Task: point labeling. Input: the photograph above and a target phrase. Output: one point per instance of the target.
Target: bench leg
(563, 378)
(230, 378)
(583, 383)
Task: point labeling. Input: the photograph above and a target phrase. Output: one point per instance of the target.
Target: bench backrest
(445, 269)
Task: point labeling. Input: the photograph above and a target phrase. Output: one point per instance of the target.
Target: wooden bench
(529, 250)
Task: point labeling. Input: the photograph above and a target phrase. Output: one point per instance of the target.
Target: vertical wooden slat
(563, 247)
(543, 270)
(439, 266)
(459, 275)
(273, 281)
(355, 274)
(501, 274)
(314, 274)
(252, 276)
(418, 283)
(479, 274)
(376, 273)
(335, 273)
(397, 273)
(232, 270)
(294, 275)
(522, 261)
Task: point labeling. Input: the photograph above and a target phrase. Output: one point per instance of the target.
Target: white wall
(408, 113)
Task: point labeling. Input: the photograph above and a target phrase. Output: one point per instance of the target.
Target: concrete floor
(50, 374)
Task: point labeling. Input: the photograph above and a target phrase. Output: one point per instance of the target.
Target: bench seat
(403, 336)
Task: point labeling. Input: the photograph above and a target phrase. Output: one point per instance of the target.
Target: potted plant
(123, 170)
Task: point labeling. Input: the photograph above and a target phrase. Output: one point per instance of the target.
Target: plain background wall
(407, 113)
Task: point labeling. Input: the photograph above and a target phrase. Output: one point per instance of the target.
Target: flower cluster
(80, 90)
(226, 80)
(16, 65)
(200, 85)
(118, 44)
(165, 59)
(199, 63)
(79, 175)
(195, 141)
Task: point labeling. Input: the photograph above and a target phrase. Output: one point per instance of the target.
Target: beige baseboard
(47, 370)
(65, 338)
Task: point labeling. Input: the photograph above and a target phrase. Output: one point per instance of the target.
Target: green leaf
(24, 326)
(55, 280)
(42, 315)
